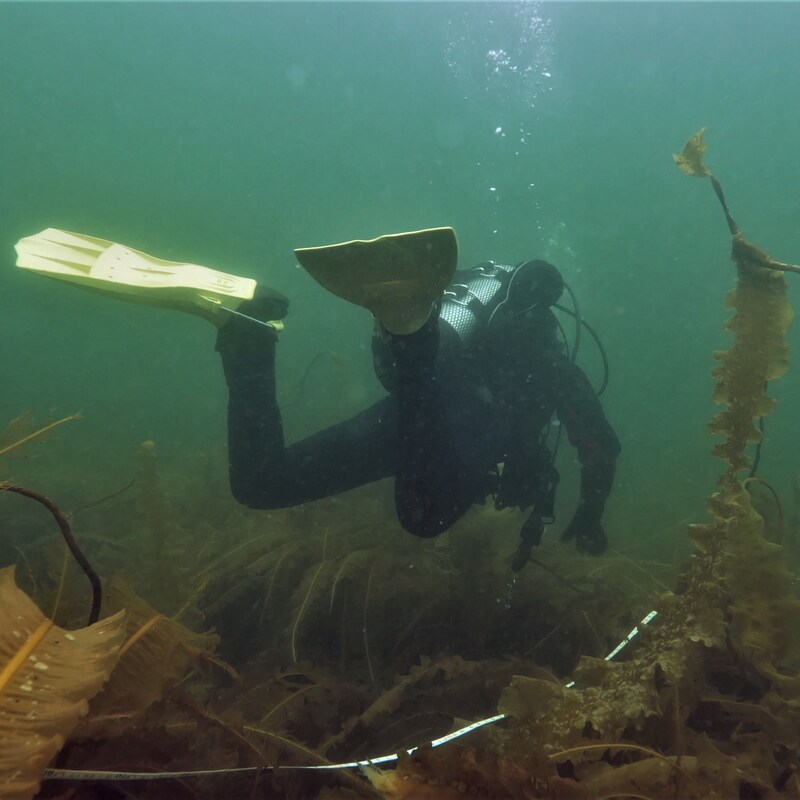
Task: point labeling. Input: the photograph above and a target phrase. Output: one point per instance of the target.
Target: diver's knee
(421, 524)
(425, 529)
(257, 498)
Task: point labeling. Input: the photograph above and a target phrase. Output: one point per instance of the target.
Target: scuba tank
(492, 291)
(483, 298)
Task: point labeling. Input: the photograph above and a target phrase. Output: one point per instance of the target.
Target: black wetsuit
(452, 416)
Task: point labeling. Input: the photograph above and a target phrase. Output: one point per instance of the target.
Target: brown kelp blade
(48, 676)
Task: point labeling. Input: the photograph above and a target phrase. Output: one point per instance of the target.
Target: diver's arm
(597, 444)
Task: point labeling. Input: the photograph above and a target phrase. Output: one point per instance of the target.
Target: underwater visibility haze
(231, 134)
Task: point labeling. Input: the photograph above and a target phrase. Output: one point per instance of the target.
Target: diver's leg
(444, 444)
(399, 278)
(264, 473)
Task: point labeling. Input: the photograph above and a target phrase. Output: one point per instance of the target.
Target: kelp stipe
(17, 435)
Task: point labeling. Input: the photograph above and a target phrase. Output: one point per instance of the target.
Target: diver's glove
(587, 531)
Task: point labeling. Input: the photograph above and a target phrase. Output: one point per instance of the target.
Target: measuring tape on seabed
(102, 775)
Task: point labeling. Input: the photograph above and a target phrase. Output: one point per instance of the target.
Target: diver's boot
(127, 274)
(258, 319)
(398, 277)
(256, 445)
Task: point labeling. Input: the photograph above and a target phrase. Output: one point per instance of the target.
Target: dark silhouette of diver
(473, 383)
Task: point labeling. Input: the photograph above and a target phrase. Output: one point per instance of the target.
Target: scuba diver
(472, 363)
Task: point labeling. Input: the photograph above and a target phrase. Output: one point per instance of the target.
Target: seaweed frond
(48, 676)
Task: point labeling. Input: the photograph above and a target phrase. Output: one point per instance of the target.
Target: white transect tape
(101, 775)
(632, 635)
(626, 641)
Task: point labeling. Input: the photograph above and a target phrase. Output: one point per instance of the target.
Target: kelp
(763, 611)
(17, 435)
(445, 632)
(151, 502)
(66, 532)
(368, 595)
(22, 430)
(48, 675)
(157, 654)
(449, 598)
